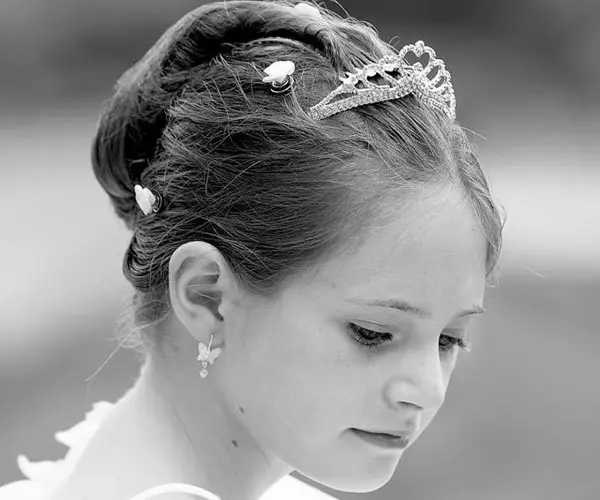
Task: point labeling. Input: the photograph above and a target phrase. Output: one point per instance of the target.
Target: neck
(163, 431)
(213, 446)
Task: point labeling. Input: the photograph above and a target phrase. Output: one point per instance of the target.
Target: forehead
(431, 253)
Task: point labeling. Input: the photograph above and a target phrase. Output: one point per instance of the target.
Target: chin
(368, 479)
(367, 486)
(358, 484)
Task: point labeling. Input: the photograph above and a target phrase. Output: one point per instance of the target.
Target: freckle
(235, 443)
(241, 410)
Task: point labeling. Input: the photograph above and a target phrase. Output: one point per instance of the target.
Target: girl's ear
(202, 288)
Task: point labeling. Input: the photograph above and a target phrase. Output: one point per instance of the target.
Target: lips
(391, 433)
(388, 439)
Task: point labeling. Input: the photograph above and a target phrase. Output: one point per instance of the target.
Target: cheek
(447, 363)
(289, 383)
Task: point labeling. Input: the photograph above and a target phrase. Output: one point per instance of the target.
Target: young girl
(312, 235)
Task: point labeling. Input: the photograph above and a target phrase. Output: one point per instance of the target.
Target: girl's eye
(447, 343)
(369, 338)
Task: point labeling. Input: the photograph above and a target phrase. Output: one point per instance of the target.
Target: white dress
(44, 478)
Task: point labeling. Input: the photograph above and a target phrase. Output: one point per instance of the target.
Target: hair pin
(147, 200)
(308, 9)
(279, 75)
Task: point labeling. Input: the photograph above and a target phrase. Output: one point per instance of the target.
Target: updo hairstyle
(249, 171)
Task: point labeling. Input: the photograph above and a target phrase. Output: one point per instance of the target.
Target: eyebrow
(407, 307)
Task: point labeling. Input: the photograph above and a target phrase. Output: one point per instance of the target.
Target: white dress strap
(175, 488)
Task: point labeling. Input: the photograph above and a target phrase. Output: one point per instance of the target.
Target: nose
(419, 382)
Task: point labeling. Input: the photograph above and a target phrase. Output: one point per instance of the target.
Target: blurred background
(522, 417)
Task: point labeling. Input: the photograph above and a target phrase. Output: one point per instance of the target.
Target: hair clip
(147, 200)
(308, 9)
(280, 76)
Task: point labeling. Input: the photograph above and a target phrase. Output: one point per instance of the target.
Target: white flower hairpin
(308, 9)
(279, 75)
(147, 200)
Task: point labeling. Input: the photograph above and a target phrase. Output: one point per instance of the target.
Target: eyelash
(376, 340)
(455, 341)
(369, 338)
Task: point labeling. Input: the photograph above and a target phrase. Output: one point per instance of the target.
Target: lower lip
(383, 440)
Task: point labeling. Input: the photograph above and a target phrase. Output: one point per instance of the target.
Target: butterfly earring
(206, 356)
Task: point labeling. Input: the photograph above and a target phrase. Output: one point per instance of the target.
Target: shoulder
(45, 477)
(290, 488)
(176, 491)
(21, 490)
(287, 488)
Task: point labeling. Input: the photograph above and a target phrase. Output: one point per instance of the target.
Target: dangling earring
(207, 356)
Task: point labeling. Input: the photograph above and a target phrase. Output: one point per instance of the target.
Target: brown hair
(249, 171)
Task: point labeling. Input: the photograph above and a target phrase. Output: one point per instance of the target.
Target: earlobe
(199, 286)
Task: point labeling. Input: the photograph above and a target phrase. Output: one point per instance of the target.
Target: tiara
(431, 84)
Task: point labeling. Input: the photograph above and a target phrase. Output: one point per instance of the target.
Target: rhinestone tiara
(431, 84)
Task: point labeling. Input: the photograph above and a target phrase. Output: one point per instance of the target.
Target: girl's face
(367, 342)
